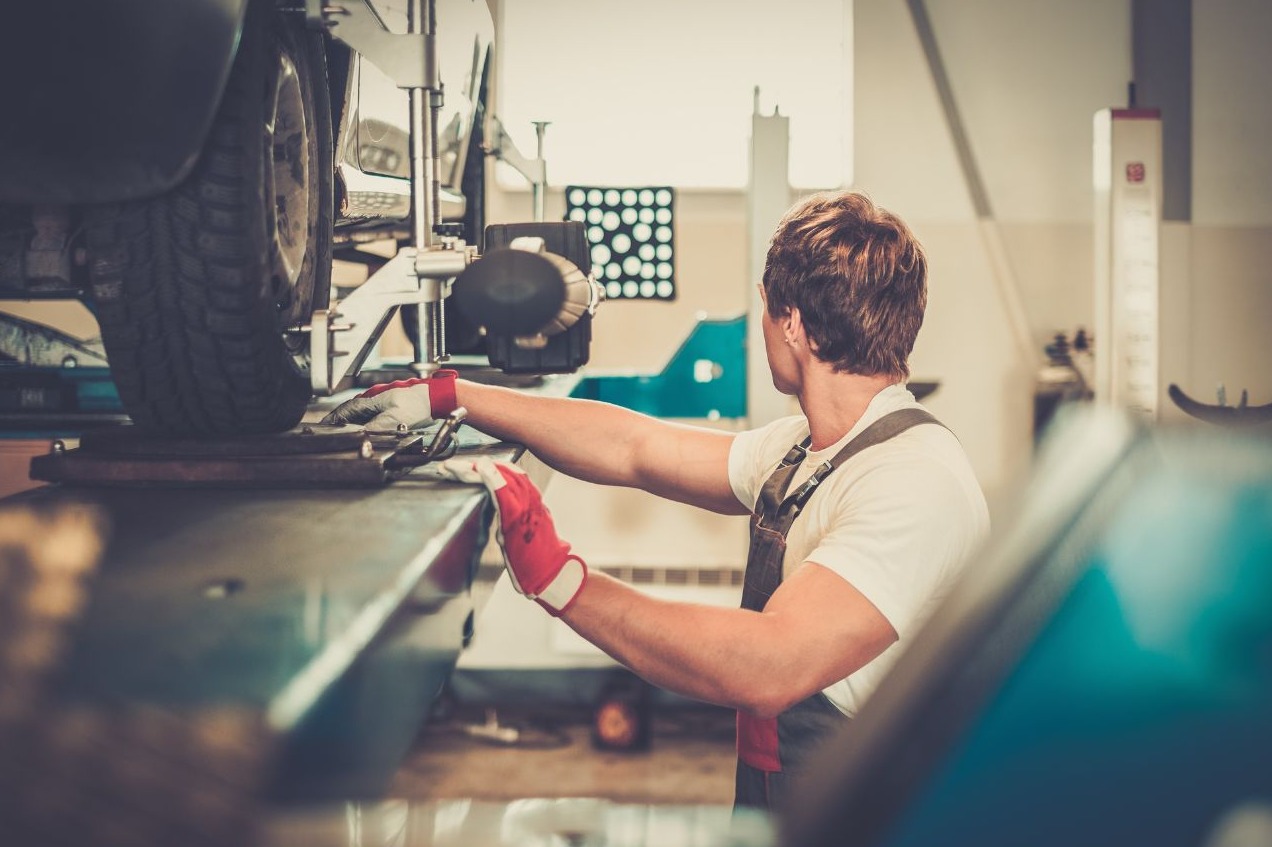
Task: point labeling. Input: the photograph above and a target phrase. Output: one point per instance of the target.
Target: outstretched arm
(608, 444)
(600, 442)
(597, 442)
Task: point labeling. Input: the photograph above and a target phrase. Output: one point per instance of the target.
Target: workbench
(335, 615)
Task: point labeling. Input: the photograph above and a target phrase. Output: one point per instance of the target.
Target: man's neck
(834, 402)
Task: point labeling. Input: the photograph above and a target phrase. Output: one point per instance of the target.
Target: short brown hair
(858, 277)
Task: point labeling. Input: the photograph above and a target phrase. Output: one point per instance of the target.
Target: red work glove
(540, 564)
(408, 402)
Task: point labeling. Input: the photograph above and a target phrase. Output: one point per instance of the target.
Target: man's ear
(793, 326)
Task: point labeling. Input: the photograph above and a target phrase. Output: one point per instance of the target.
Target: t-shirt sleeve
(754, 454)
(897, 534)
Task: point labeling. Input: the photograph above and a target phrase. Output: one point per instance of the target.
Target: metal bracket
(535, 170)
(1242, 414)
(409, 59)
(341, 338)
(443, 445)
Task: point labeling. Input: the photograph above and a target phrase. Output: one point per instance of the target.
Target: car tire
(198, 292)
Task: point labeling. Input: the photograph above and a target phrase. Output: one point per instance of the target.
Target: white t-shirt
(898, 520)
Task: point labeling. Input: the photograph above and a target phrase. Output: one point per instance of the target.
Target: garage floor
(690, 760)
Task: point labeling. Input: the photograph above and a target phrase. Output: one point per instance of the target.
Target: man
(863, 508)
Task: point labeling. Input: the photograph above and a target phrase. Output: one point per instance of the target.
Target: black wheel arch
(146, 75)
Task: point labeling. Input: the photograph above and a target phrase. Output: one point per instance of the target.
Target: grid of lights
(631, 235)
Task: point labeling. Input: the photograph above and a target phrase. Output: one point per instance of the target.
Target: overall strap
(774, 489)
(781, 515)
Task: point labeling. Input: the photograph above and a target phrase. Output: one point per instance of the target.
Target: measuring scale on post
(1128, 214)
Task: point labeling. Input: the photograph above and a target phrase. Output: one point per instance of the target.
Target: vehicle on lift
(189, 169)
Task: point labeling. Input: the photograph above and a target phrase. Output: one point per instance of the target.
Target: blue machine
(1102, 676)
(705, 378)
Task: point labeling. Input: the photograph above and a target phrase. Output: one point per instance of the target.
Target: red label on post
(1134, 171)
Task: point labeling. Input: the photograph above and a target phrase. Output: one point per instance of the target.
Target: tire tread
(182, 284)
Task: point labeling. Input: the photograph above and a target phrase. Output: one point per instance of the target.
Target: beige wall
(1026, 77)
(1229, 341)
(1232, 114)
(1229, 303)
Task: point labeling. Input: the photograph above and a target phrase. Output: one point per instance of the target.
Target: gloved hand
(540, 564)
(412, 402)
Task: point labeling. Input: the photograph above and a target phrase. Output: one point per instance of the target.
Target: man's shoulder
(925, 466)
(928, 448)
(773, 438)
(924, 437)
(789, 424)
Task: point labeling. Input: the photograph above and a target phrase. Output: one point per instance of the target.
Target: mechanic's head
(858, 277)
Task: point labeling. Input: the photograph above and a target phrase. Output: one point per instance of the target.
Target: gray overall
(772, 750)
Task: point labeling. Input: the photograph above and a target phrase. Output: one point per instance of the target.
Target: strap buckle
(796, 454)
(800, 497)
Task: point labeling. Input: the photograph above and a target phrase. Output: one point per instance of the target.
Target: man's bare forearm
(815, 629)
(608, 444)
(717, 655)
(583, 438)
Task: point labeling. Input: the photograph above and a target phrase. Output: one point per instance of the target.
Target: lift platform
(331, 611)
